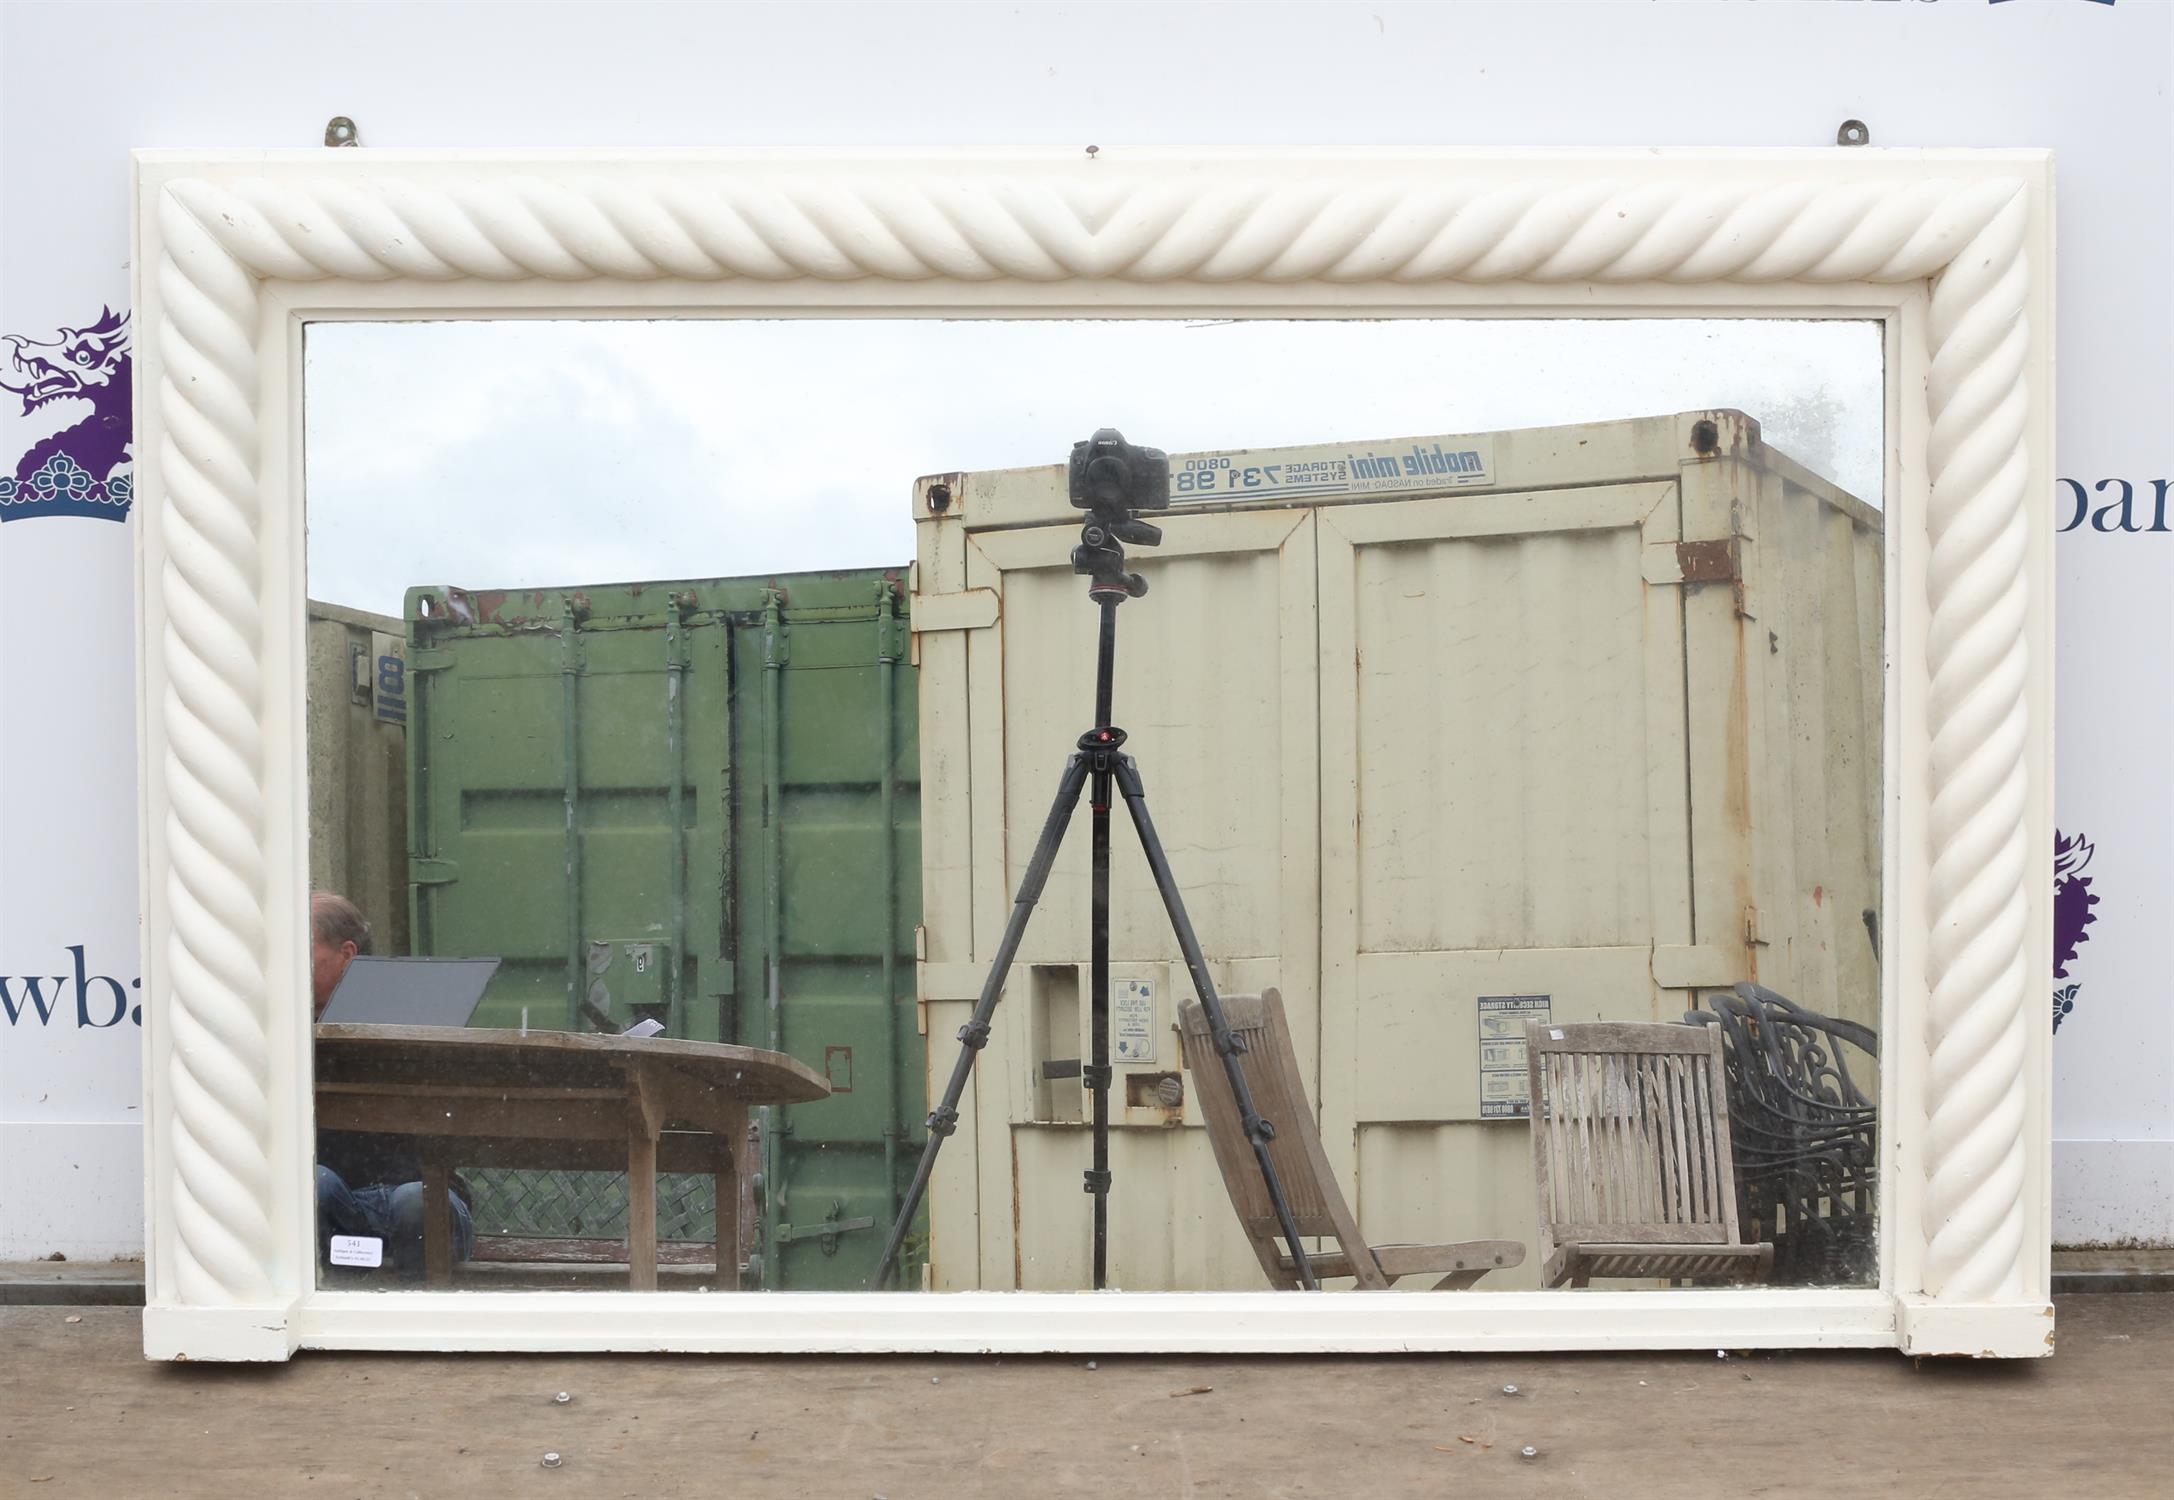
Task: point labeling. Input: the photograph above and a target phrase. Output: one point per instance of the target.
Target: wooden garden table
(561, 1100)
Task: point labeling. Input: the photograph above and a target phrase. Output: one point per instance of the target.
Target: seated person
(368, 1182)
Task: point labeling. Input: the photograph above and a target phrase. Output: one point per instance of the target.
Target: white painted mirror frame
(235, 252)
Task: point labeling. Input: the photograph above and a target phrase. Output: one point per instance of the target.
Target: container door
(1504, 821)
(358, 815)
(568, 781)
(566, 824)
(1216, 685)
(824, 910)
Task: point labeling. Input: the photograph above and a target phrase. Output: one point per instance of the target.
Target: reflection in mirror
(1508, 698)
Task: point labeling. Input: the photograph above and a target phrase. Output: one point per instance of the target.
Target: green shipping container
(697, 801)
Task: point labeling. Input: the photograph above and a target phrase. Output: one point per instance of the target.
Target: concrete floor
(85, 1415)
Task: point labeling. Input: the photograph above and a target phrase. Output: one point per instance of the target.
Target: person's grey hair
(333, 920)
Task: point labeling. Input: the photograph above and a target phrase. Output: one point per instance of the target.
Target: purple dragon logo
(2072, 903)
(80, 470)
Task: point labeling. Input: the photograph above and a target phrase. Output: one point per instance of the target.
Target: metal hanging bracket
(341, 131)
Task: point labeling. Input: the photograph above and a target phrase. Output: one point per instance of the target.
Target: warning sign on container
(1132, 1010)
(1505, 1087)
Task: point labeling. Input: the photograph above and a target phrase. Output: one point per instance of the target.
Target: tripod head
(1110, 479)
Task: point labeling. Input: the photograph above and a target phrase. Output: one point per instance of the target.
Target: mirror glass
(687, 701)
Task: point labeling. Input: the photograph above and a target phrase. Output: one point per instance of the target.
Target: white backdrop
(81, 84)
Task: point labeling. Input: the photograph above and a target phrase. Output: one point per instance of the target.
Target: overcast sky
(523, 453)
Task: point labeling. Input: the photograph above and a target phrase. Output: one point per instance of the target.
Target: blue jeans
(392, 1212)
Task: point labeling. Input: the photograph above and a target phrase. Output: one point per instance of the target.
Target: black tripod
(1109, 477)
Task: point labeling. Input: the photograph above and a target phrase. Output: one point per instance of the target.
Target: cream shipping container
(357, 733)
(1444, 734)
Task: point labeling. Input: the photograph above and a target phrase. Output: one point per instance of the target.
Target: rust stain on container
(1707, 562)
(1717, 561)
(1737, 797)
(1019, 1262)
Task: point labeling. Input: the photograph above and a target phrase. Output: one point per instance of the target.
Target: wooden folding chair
(1271, 1071)
(1630, 1155)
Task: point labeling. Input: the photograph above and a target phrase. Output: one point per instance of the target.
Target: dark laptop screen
(410, 991)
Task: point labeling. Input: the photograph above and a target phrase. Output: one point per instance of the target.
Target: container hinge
(894, 638)
(424, 659)
(432, 871)
(920, 991)
(1751, 927)
(937, 983)
(1740, 516)
(968, 609)
(777, 636)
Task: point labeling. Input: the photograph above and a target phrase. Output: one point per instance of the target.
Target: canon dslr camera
(1110, 479)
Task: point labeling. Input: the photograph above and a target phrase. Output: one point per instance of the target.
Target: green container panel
(782, 873)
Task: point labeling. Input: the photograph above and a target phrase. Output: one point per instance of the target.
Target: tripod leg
(974, 1035)
(1096, 1075)
(1259, 1131)
(1101, 752)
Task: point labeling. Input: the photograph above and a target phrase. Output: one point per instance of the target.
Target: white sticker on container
(1133, 1008)
(1554, 1034)
(357, 1250)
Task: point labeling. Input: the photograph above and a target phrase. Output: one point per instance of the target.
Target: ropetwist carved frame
(236, 251)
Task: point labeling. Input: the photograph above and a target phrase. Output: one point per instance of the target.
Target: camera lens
(1108, 477)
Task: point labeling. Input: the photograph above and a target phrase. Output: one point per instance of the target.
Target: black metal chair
(1805, 1135)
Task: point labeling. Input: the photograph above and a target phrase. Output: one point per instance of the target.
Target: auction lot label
(357, 1250)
